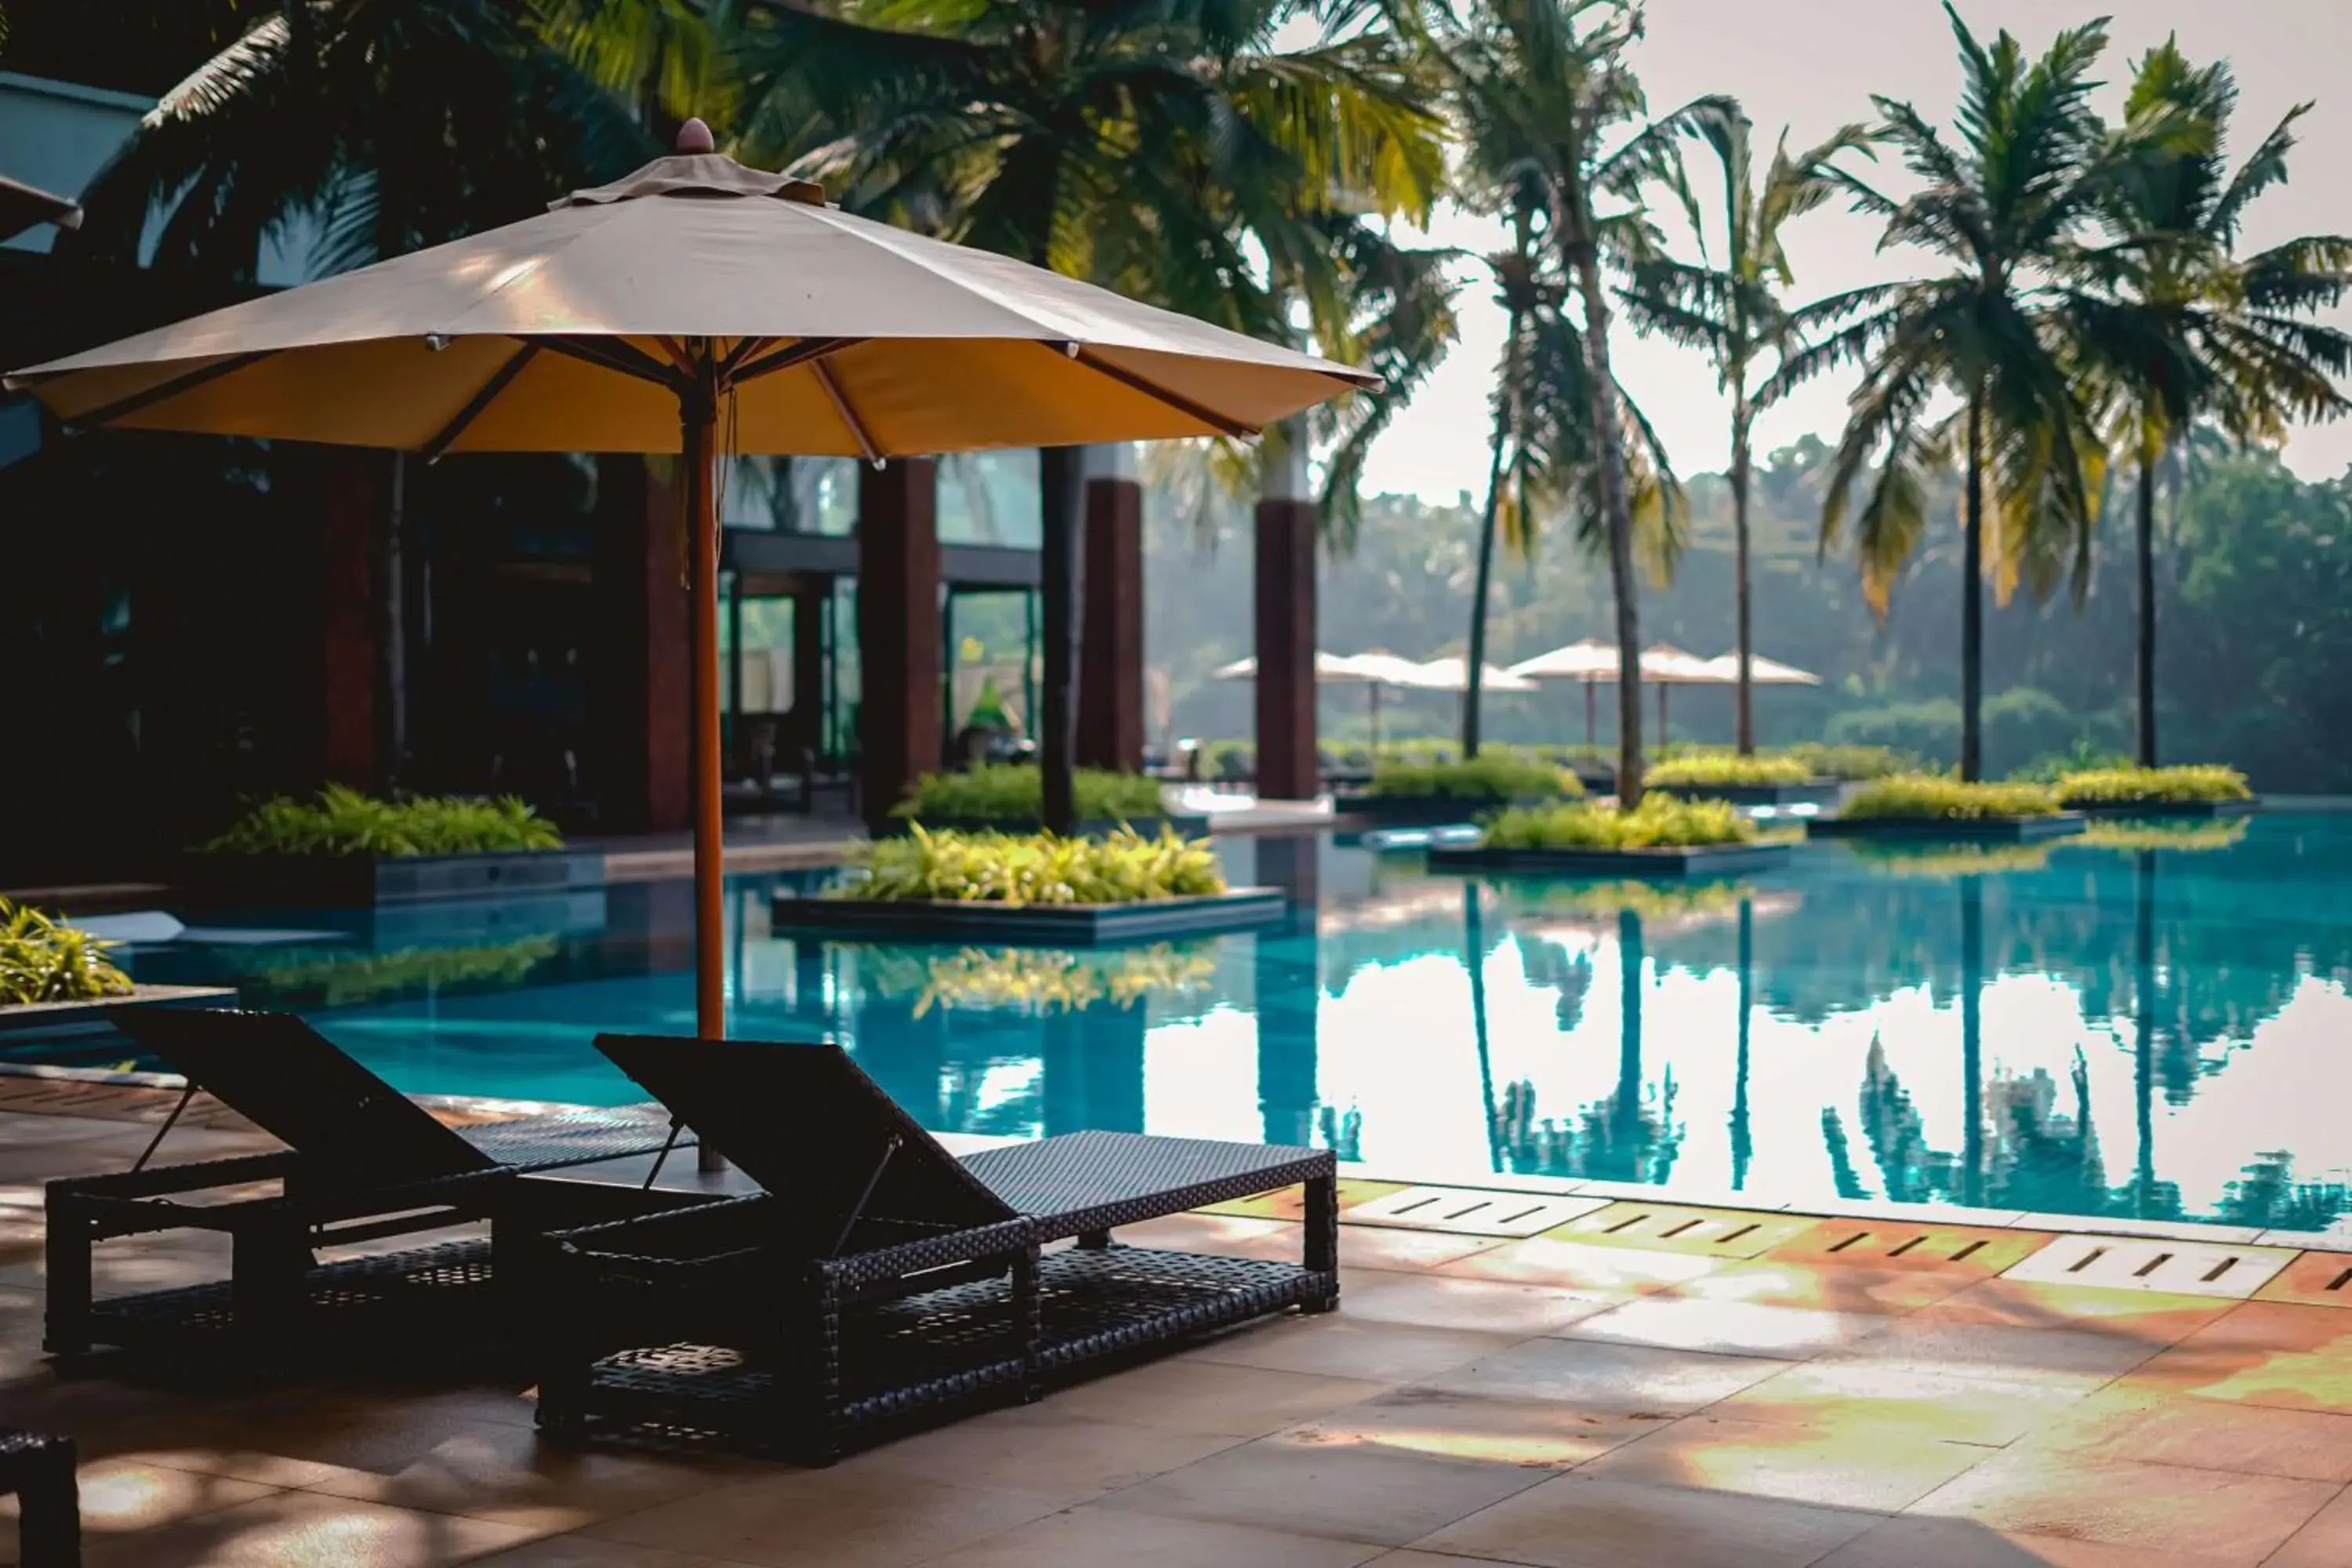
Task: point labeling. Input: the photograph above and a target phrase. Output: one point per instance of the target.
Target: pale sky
(1811, 65)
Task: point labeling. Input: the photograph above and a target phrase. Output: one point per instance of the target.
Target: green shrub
(1015, 791)
(1716, 769)
(1228, 760)
(2152, 786)
(2189, 837)
(1943, 861)
(1491, 778)
(1660, 822)
(343, 821)
(1828, 761)
(1035, 981)
(1931, 795)
(1037, 869)
(46, 960)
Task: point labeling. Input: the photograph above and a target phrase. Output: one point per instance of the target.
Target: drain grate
(1290, 1203)
(2124, 1263)
(2313, 1279)
(1468, 1211)
(1676, 1227)
(1972, 1249)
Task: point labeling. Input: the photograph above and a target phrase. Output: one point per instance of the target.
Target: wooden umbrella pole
(699, 410)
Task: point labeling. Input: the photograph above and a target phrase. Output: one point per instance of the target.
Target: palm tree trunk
(1609, 435)
(1972, 602)
(1744, 696)
(2146, 659)
(1486, 574)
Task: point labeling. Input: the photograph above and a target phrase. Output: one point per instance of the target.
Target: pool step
(1979, 1250)
(1470, 1211)
(2126, 1263)
(1679, 1228)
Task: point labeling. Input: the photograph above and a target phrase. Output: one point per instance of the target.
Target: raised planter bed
(1031, 925)
(1186, 827)
(1416, 810)
(1698, 859)
(78, 1018)
(1981, 829)
(2195, 809)
(1813, 791)
(360, 882)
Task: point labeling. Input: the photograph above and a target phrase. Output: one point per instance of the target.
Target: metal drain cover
(2313, 1279)
(2125, 1263)
(1469, 1211)
(1892, 1244)
(1680, 1227)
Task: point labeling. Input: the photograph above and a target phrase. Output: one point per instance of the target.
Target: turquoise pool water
(2147, 1022)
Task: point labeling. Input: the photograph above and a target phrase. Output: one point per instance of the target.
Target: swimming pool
(2149, 1021)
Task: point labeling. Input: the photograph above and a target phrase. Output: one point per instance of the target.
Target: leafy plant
(343, 821)
(1039, 868)
(1014, 791)
(1492, 778)
(2153, 787)
(2085, 756)
(1651, 901)
(1829, 760)
(1933, 797)
(1701, 770)
(2190, 838)
(347, 979)
(1941, 862)
(44, 960)
(1660, 822)
(1034, 981)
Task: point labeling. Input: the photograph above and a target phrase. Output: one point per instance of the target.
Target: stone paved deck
(1625, 1390)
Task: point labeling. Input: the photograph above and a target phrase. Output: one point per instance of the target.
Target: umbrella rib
(108, 413)
(611, 353)
(484, 395)
(848, 415)
(1184, 406)
(799, 352)
(735, 357)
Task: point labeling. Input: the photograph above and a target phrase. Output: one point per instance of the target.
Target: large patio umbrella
(1667, 667)
(1761, 671)
(23, 205)
(693, 297)
(1375, 671)
(1589, 662)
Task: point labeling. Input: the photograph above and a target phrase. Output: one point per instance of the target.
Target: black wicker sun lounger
(363, 1164)
(878, 1278)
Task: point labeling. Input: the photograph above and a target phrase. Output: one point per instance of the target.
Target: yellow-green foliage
(44, 960)
(1712, 769)
(1491, 778)
(346, 979)
(1649, 900)
(1037, 868)
(2152, 786)
(1660, 822)
(1828, 762)
(1035, 981)
(1015, 791)
(1941, 862)
(343, 821)
(2191, 837)
(1936, 798)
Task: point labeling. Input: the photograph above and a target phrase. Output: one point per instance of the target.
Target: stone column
(1111, 642)
(1287, 529)
(641, 693)
(898, 630)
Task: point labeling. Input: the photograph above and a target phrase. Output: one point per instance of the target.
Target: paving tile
(1592, 1375)
(303, 1529)
(1682, 1227)
(1836, 1466)
(585, 1551)
(1472, 1211)
(1211, 1398)
(828, 1519)
(1091, 1537)
(1902, 1402)
(1205, 1232)
(2313, 1279)
(1336, 1345)
(2204, 1434)
(124, 1497)
(1041, 1450)
(2154, 1316)
(2156, 1229)
(2153, 1507)
(1773, 1282)
(1441, 1301)
(1726, 1328)
(2263, 1352)
(1435, 1421)
(1379, 1496)
(1948, 1345)
(1373, 1246)
(1582, 1521)
(1918, 1244)
(1914, 1542)
(1578, 1265)
(1290, 1203)
(2324, 1542)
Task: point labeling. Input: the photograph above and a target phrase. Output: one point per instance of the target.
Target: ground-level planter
(1368, 810)
(1976, 830)
(100, 1012)
(2192, 809)
(1031, 925)
(1813, 791)
(1186, 827)
(1692, 860)
(360, 882)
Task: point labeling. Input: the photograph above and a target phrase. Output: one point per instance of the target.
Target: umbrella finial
(693, 136)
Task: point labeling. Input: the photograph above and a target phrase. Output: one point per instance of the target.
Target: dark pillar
(351, 515)
(641, 660)
(1110, 646)
(1285, 647)
(898, 633)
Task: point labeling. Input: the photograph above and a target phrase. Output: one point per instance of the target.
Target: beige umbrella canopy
(1761, 671)
(1452, 673)
(693, 296)
(1372, 670)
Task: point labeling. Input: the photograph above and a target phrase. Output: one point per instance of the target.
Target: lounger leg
(1094, 1240)
(49, 1533)
(1029, 1325)
(1323, 1239)
(814, 1346)
(266, 1288)
(68, 1241)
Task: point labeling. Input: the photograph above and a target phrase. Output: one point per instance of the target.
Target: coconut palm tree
(2182, 327)
(2004, 202)
(1546, 83)
(1729, 305)
(1175, 152)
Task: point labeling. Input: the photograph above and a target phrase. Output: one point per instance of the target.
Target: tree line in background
(1245, 161)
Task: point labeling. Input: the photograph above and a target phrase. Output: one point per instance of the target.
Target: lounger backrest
(291, 1081)
(805, 1122)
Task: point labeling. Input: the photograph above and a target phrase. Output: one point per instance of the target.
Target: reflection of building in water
(2045, 1157)
(1617, 1139)
(1569, 974)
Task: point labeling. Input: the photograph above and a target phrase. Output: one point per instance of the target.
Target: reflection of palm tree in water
(1743, 1147)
